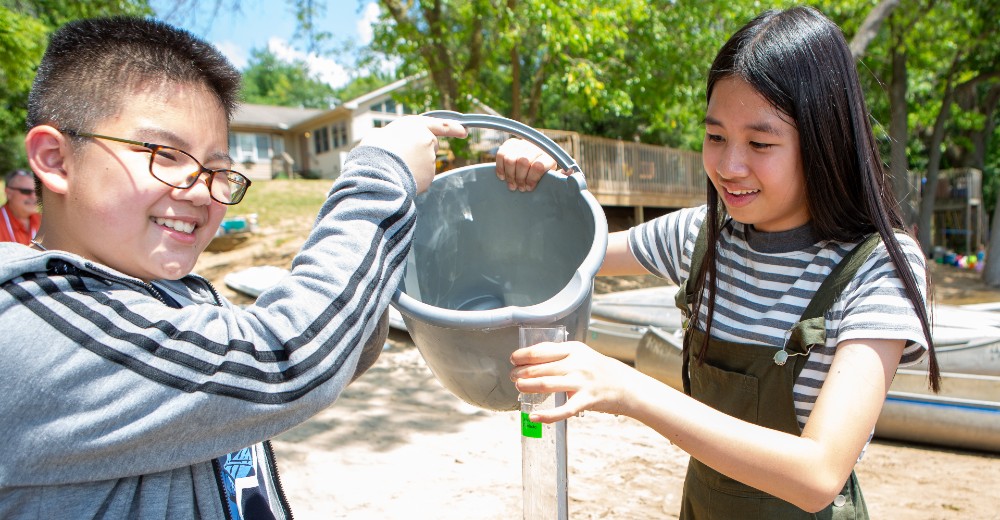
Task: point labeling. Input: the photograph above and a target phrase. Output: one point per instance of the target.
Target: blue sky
(271, 24)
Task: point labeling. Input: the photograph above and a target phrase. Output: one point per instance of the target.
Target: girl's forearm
(793, 468)
(619, 260)
(807, 470)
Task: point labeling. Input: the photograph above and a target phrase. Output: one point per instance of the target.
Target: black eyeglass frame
(23, 191)
(193, 177)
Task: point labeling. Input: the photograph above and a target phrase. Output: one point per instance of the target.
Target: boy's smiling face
(117, 213)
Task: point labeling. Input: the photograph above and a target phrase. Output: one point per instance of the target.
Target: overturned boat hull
(964, 415)
(966, 341)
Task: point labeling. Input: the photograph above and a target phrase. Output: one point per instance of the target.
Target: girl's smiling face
(751, 155)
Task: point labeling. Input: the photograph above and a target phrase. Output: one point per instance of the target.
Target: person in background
(20, 215)
(801, 291)
(131, 388)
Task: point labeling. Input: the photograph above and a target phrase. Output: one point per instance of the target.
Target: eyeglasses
(23, 191)
(178, 169)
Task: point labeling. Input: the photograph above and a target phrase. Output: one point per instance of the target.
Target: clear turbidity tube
(543, 446)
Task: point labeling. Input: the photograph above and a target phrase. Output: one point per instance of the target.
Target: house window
(321, 140)
(339, 134)
(379, 123)
(245, 147)
(387, 107)
(263, 147)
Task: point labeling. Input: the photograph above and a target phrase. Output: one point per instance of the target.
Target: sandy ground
(397, 445)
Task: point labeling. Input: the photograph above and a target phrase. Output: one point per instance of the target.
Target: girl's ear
(49, 155)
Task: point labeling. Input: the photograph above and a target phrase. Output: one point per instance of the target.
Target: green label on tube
(530, 429)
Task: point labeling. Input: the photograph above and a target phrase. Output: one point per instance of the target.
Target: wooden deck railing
(621, 173)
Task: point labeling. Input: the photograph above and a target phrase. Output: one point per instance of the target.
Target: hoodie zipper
(133, 281)
(223, 496)
(272, 467)
(150, 288)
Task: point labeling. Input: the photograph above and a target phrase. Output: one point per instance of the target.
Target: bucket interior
(479, 246)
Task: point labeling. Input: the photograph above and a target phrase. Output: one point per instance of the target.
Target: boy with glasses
(20, 213)
(131, 388)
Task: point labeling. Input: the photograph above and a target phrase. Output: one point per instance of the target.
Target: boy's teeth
(183, 227)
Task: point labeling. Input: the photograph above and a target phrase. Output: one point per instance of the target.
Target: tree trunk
(976, 158)
(934, 159)
(991, 265)
(516, 111)
(515, 85)
(870, 27)
(898, 131)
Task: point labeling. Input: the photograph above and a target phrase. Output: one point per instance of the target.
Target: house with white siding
(270, 141)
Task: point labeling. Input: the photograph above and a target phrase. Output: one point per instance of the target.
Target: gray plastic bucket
(486, 261)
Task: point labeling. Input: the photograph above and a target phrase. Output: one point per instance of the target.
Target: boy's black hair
(91, 66)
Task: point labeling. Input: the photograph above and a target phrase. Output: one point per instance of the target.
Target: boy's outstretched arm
(396, 138)
(122, 383)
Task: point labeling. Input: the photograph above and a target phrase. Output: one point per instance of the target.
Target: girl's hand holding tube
(591, 380)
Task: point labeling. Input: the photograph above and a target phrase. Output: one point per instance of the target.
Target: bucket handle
(519, 129)
(576, 293)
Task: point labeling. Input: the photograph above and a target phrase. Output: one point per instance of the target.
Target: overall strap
(811, 327)
(685, 295)
(684, 300)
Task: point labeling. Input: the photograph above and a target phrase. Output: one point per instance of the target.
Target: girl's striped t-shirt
(766, 280)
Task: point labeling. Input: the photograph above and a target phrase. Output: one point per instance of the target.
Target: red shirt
(11, 229)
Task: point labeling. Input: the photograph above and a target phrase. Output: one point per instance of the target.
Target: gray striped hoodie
(115, 403)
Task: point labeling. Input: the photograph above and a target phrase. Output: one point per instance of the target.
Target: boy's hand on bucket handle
(414, 140)
(521, 164)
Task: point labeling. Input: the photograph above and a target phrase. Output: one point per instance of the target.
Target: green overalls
(747, 382)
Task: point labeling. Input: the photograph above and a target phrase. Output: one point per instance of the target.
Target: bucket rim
(565, 301)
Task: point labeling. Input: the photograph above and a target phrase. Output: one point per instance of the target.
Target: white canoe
(617, 340)
(254, 280)
(396, 320)
(649, 306)
(965, 414)
(966, 340)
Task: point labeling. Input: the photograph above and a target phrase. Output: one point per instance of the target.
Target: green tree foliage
(24, 29)
(268, 80)
(934, 64)
(635, 70)
(667, 67)
(363, 84)
(630, 69)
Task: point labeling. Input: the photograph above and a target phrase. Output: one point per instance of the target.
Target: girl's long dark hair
(800, 62)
